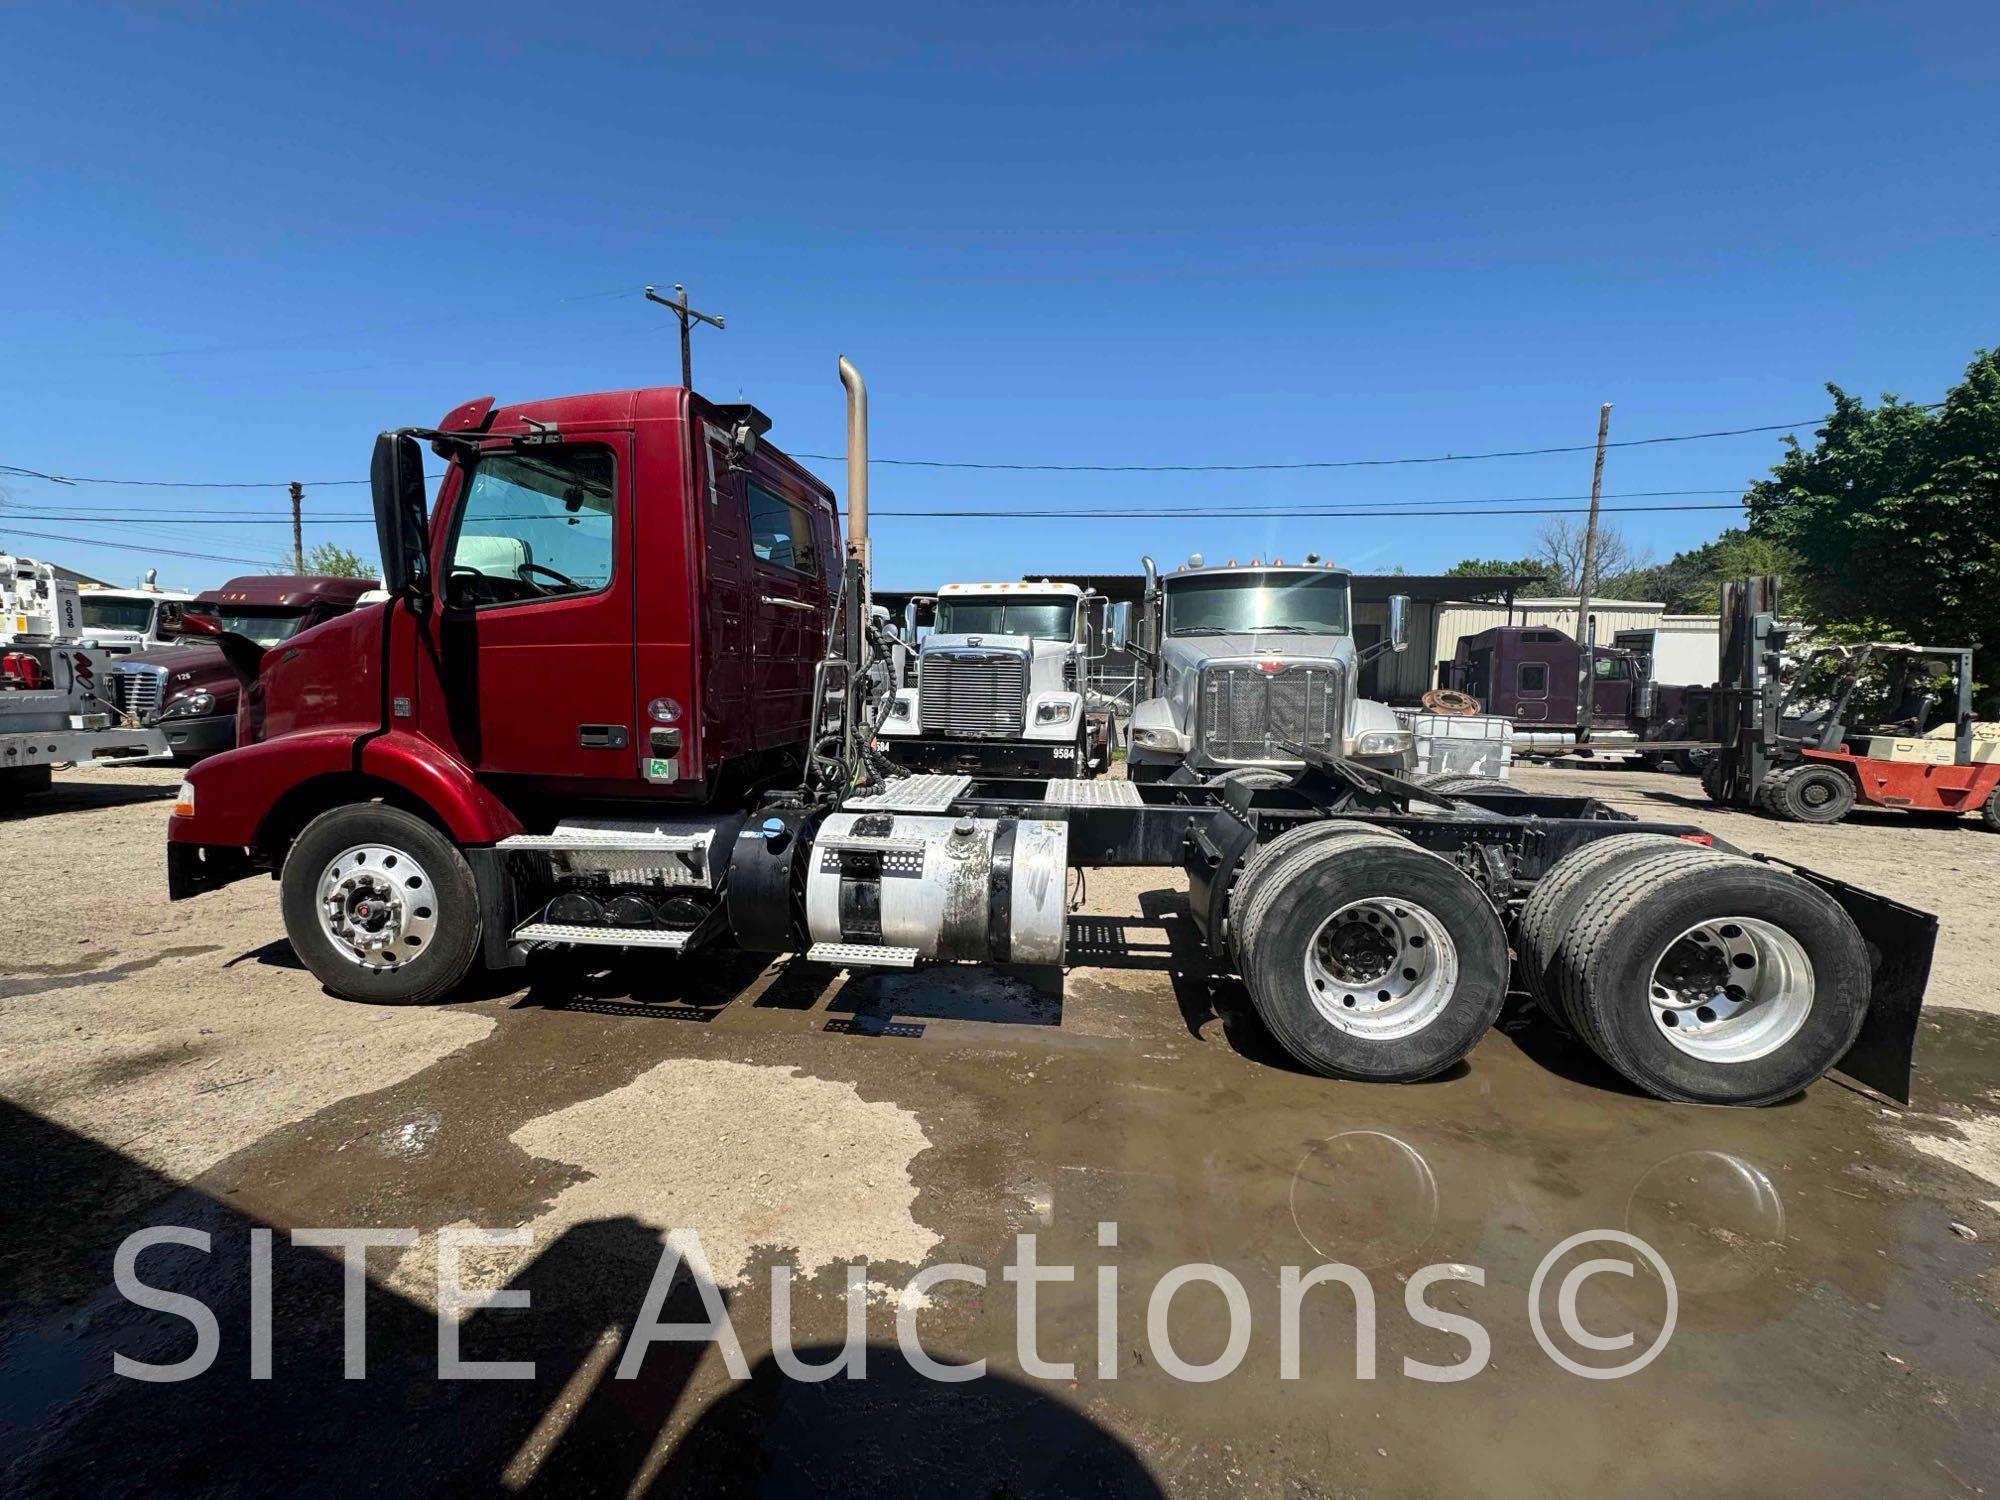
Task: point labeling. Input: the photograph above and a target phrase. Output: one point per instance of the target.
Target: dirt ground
(1834, 1323)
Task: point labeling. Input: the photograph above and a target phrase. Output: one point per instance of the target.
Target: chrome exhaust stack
(857, 469)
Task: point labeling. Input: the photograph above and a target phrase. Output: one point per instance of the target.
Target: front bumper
(1013, 757)
(191, 739)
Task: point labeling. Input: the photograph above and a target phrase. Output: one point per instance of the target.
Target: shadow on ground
(73, 1426)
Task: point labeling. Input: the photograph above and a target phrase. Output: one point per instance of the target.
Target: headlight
(190, 706)
(1054, 713)
(900, 709)
(1148, 737)
(1381, 742)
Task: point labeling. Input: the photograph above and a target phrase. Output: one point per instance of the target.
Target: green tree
(1894, 516)
(1532, 567)
(329, 560)
(1691, 582)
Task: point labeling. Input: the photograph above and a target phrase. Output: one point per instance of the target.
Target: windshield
(1227, 603)
(116, 614)
(265, 626)
(1044, 619)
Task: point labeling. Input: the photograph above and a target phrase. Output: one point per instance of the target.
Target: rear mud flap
(1901, 941)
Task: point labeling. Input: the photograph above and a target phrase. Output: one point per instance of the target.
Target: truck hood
(189, 668)
(934, 643)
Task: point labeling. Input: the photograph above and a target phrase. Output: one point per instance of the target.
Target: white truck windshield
(1044, 619)
(116, 614)
(1231, 603)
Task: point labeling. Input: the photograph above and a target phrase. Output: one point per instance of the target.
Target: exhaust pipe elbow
(857, 463)
(1152, 574)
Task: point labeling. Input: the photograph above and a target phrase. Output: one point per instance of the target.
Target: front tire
(380, 905)
(1810, 794)
(1369, 958)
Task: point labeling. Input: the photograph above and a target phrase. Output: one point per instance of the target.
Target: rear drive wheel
(1449, 783)
(1810, 794)
(1261, 861)
(1551, 907)
(380, 905)
(1717, 981)
(1372, 959)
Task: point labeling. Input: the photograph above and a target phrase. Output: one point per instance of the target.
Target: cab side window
(534, 525)
(781, 532)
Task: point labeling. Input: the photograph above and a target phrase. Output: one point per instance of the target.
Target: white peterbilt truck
(1249, 665)
(1003, 684)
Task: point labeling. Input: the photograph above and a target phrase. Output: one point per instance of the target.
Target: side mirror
(1119, 622)
(402, 522)
(1399, 622)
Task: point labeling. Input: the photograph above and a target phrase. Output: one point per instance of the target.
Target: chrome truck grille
(1247, 713)
(978, 694)
(138, 689)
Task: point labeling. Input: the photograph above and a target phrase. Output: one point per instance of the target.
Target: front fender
(1060, 732)
(1154, 731)
(442, 783)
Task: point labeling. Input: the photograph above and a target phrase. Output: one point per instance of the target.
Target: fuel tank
(981, 890)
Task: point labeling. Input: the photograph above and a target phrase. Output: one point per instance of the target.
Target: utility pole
(1586, 671)
(298, 528)
(678, 306)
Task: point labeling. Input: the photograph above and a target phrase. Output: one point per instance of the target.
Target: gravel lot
(1838, 1318)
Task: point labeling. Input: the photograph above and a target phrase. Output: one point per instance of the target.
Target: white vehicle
(1248, 662)
(51, 713)
(134, 619)
(36, 606)
(1001, 684)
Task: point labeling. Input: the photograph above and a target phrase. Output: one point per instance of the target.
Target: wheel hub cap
(377, 906)
(1381, 968)
(1731, 989)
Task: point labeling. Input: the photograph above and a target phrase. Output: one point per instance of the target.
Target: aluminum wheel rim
(1381, 968)
(377, 906)
(1731, 989)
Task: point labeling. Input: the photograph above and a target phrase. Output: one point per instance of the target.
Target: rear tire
(1713, 981)
(407, 926)
(1810, 794)
(1551, 907)
(1989, 812)
(1262, 860)
(1449, 783)
(1369, 958)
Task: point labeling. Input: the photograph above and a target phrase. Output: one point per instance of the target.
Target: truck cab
(1528, 673)
(189, 690)
(128, 620)
(1243, 662)
(1002, 683)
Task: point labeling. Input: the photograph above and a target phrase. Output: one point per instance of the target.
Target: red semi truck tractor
(620, 695)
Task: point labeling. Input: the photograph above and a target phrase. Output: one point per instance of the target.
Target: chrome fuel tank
(983, 890)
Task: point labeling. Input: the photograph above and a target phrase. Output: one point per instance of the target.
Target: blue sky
(239, 242)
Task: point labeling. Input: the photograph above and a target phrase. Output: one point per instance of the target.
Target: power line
(86, 541)
(1038, 468)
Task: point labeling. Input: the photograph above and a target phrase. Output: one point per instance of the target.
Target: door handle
(789, 603)
(601, 736)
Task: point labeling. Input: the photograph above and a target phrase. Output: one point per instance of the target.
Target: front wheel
(1810, 794)
(1369, 958)
(380, 905)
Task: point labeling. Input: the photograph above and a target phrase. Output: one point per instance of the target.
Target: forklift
(1788, 747)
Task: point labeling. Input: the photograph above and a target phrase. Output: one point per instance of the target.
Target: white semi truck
(54, 711)
(1247, 667)
(1003, 684)
(128, 620)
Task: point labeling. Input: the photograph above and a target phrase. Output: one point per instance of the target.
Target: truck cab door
(789, 594)
(530, 645)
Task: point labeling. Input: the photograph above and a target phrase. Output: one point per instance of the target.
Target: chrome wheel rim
(1381, 968)
(377, 906)
(1731, 989)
